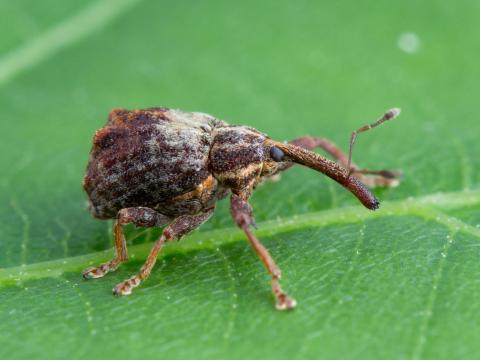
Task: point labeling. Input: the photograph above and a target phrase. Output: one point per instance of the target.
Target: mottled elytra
(160, 167)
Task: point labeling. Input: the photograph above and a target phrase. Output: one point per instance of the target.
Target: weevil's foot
(388, 178)
(96, 272)
(380, 178)
(390, 174)
(100, 271)
(285, 302)
(126, 287)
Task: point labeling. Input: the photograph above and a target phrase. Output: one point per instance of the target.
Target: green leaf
(397, 283)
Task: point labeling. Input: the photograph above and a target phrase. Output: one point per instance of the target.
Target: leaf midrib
(426, 207)
(65, 33)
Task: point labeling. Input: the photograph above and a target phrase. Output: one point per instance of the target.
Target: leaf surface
(401, 282)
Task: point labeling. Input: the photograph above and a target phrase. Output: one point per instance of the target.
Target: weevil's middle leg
(242, 215)
(140, 216)
(371, 178)
(176, 229)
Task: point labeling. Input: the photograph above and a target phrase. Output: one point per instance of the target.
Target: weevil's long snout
(331, 169)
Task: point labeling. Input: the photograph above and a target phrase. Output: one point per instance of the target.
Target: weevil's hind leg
(242, 215)
(140, 216)
(371, 178)
(176, 229)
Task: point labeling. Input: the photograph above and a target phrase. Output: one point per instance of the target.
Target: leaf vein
(424, 207)
(428, 312)
(87, 21)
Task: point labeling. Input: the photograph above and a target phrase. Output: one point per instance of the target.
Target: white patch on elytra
(152, 145)
(181, 136)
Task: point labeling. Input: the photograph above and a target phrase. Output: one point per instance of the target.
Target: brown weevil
(160, 167)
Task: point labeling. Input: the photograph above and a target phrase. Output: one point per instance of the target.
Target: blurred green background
(390, 287)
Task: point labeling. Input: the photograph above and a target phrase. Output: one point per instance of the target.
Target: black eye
(276, 154)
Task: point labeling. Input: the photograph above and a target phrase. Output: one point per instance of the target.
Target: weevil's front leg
(242, 215)
(371, 178)
(140, 216)
(176, 229)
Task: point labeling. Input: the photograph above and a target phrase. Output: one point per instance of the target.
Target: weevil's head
(241, 157)
(274, 161)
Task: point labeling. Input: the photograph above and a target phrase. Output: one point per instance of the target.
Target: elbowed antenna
(336, 172)
(389, 115)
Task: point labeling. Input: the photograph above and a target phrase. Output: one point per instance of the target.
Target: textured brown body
(157, 167)
(160, 159)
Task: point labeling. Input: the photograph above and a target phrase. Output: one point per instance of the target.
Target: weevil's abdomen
(146, 157)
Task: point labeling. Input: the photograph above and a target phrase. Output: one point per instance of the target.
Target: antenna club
(392, 113)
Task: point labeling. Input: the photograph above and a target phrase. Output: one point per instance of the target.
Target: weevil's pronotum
(160, 167)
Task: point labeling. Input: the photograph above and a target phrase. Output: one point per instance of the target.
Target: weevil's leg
(383, 178)
(175, 230)
(242, 215)
(141, 217)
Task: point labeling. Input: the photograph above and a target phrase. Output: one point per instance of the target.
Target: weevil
(159, 167)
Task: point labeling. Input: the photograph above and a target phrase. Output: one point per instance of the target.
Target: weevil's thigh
(203, 197)
(142, 217)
